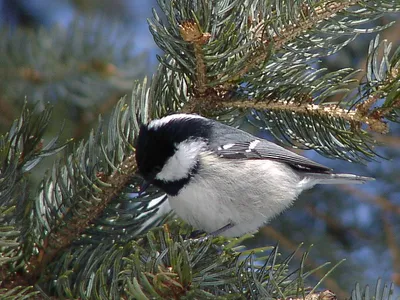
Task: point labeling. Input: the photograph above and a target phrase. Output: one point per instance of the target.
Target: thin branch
(190, 32)
(352, 116)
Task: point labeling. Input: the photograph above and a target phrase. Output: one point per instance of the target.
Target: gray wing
(237, 144)
(261, 149)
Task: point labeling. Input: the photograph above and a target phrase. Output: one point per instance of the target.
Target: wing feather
(262, 149)
(233, 143)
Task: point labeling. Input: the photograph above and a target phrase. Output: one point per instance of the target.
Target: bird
(221, 179)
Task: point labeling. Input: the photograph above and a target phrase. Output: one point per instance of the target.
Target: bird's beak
(144, 187)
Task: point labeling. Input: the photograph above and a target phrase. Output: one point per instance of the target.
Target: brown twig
(190, 32)
(352, 116)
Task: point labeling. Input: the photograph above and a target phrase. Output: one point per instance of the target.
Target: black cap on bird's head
(158, 140)
(153, 148)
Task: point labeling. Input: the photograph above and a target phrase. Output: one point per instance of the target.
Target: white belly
(209, 201)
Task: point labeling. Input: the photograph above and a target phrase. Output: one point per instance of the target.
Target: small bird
(221, 179)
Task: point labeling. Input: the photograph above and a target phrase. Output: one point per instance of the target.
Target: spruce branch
(355, 117)
(191, 33)
(309, 18)
(21, 149)
(257, 67)
(382, 292)
(74, 201)
(97, 171)
(70, 230)
(19, 293)
(174, 267)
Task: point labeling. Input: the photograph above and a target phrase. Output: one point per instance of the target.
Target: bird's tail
(321, 178)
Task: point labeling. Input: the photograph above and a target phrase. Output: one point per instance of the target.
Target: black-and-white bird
(221, 179)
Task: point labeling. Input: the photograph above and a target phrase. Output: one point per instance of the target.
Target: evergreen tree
(84, 233)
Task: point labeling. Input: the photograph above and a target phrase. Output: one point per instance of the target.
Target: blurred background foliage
(85, 75)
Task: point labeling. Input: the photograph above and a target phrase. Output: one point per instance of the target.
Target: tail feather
(311, 179)
(338, 178)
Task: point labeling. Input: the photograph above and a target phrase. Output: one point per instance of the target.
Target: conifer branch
(351, 113)
(381, 292)
(355, 117)
(73, 198)
(267, 50)
(70, 230)
(73, 228)
(325, 10)
(191, 33)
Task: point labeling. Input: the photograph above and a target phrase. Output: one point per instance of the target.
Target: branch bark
(354, 116)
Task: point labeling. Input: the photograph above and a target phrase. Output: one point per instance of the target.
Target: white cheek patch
(182, 162)
(160, 122)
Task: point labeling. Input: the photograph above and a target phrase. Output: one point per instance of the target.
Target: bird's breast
(245, 193)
